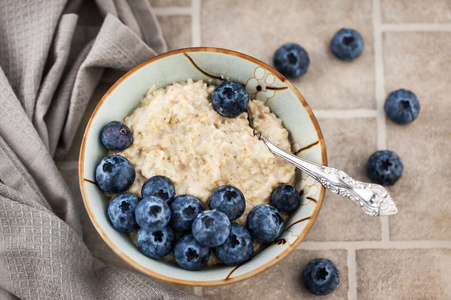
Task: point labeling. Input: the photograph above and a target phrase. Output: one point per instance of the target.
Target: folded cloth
(52, 55)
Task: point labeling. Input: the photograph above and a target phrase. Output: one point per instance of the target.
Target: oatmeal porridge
(178, 134)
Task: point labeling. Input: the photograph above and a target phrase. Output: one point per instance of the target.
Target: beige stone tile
(419, 62)
(404, 274)
(258, 28)
(283, 281)
(349, 143)
(416, 11)
(167, 3)
(176, 31)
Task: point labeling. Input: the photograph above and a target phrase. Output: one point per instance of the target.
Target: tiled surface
(258, 29)
(283, 281)
(176, 30)
(416, 11)
(418, 61)
(349, 143)
(412, 274)
(341, 220)
(407, 256)
(167, 3)
(356, 138)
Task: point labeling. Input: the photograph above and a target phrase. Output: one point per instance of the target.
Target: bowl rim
(227, 280)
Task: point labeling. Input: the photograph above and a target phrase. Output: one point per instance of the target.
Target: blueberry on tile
(152, 213)
(384, 167)
(116, 136)
(211, 228)
(320, 276)
(184, 209)
(159, 186)
(237, 248)
(291, 60)
(265, 223)
(230, 99)
(229, 200)
(347, 44)
(402, 106)
(156, 244)
(189, 254)
(121, 212)
(285, 198)
(115, 174)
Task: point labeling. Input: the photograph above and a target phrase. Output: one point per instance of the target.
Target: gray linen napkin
(52, 55)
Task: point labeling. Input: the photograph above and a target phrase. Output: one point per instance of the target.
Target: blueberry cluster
(159, 215)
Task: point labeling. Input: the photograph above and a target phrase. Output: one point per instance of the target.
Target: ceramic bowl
(210, 64)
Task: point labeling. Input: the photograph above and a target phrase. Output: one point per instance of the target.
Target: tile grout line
(196, 34)
(385, 228)
(380, 96)
(352, 274)
(361, 245)
(415, 27)
(173, 11)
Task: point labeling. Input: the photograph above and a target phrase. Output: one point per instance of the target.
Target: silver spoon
(372, 198)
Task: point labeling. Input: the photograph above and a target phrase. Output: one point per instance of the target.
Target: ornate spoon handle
(372, 198)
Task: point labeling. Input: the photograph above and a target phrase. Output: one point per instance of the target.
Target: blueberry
(159, 186)
(184, 210)
(121, 212)
(116, 136)
(320, 276)
(229, 200)
(402, 106)
(152, 213)
(384, 167)
(115, 174)
(347, 44)
(189, 254)
(285, 198)
(237, 248)
(211, 228)
(230, 99)
(265, 223)
(155, 244)
(291, 60)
